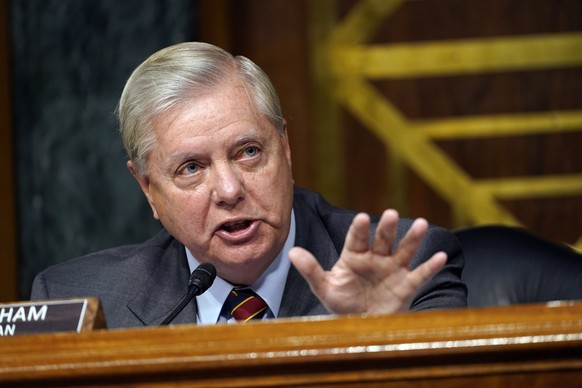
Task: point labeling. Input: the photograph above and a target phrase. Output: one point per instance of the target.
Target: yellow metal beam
(532, 187)
(363, 20)
(501, 125)
(453, 58)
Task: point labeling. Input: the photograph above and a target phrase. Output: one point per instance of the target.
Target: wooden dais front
(526, 345)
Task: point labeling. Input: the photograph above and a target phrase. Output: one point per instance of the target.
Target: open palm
(370, 277)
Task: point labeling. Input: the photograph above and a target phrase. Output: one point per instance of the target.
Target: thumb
(308, 267)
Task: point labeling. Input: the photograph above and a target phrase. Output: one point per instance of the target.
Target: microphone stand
(183, 302)
(200, 280)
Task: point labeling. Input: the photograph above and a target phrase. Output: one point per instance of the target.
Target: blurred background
(462, 112)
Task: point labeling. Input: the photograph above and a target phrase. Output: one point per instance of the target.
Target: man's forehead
(207, 106)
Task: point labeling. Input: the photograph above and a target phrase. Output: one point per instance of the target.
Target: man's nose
(228, 185)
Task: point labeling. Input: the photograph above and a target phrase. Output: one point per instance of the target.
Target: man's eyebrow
(247, 137)
(178, 158)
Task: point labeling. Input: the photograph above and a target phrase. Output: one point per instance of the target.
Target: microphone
(200, 280)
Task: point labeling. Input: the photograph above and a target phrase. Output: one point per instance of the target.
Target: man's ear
(144, 183)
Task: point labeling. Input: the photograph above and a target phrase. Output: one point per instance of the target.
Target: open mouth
(233, 227)
(238, 232)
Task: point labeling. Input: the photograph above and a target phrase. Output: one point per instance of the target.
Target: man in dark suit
(208, 144)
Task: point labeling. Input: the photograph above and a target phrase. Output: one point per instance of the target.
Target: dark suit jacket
(140, 284)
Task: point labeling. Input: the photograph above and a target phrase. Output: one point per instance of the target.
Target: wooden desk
(534, 345)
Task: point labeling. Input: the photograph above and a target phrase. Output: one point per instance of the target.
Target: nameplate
(50, 316)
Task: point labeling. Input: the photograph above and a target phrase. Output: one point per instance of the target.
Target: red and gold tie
(243, 305)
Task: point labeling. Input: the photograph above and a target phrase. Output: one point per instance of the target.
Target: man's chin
(238, 268)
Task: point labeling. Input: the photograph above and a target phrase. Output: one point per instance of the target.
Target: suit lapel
(164, 288)
(311, 234)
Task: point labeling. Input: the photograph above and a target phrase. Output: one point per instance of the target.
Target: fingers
(385, 233)
(428, 269)
(410, 242)
(358, 234)
(308, 267)
(358, 237)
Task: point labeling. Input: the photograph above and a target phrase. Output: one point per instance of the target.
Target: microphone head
(202, 278)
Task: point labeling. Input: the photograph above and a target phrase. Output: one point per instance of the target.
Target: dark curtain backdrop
(70, 61)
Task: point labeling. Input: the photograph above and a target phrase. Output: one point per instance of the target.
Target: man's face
(219, 179)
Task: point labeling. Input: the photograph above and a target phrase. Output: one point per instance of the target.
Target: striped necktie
(243, 305)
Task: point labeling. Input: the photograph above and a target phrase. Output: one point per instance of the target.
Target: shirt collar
(269, 286)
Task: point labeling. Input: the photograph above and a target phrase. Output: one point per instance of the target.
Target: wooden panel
(535, 345)
(8, 260)
(215, 22)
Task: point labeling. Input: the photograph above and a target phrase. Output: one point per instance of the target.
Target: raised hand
(370, 278)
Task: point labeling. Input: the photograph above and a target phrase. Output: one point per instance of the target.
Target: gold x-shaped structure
(345, 66)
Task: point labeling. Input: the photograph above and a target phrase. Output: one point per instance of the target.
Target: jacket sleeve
(39, 288)
(445, 290)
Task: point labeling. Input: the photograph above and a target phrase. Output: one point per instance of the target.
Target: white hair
(175, 74)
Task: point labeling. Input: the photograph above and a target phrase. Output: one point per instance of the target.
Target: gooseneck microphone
(200, 281)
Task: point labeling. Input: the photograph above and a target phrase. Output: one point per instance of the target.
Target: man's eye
(191, 168)
(251, 151)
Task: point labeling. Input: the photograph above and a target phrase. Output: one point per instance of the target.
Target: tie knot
(243, 305)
